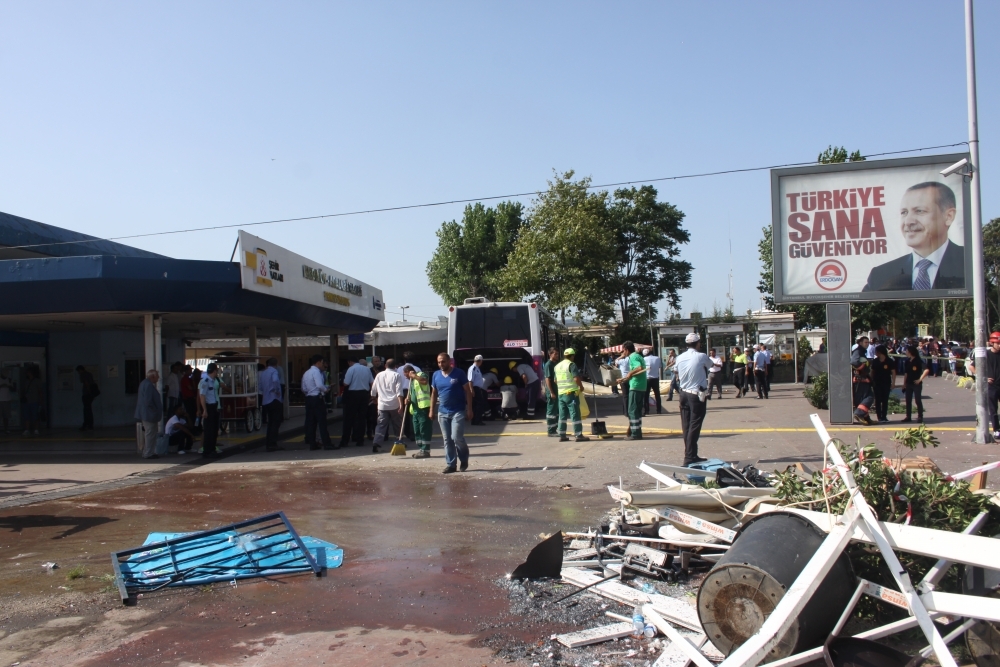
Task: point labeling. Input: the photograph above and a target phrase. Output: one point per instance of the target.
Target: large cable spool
(747, 583)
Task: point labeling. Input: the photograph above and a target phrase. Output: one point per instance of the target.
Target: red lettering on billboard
(801, 232)
(871, 224)
(823, 226)
(847, 221)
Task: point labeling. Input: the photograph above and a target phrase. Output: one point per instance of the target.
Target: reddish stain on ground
(421, 551)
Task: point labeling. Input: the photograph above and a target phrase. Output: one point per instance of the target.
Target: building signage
(776, 326)
(871, 231)
(356, 341)
(271, 269)
(676, 330)
(725, 328)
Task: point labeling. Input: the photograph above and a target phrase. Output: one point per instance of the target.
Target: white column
(153, 344)
(284, 370)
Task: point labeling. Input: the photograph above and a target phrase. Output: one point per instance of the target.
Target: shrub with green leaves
(818, 392)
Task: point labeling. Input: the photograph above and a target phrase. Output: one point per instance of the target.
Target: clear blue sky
(123, 117)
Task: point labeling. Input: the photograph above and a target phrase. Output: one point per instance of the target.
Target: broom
(399, 447)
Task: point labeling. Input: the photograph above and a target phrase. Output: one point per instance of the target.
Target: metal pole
(983, 433)
(795, 355)
(944, 321)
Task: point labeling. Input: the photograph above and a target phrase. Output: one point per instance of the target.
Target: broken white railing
(860, 524)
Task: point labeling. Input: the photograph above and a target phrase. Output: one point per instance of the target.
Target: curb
(149, 476)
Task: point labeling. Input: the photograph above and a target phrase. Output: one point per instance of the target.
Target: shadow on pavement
(75, 524)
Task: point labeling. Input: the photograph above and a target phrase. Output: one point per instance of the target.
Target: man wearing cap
(551, 393)
(569, 386)
(761, 358)
(864, 397)
(208, 408)
(478, 390)
(692, 380)
(636, 379)
(418, 398)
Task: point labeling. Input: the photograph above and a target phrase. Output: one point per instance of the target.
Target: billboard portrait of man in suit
(926, 213)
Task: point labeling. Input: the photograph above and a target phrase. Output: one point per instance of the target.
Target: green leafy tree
(991, 263)
(839, 154)
(471, 255)
(561, 255)
(646, 236)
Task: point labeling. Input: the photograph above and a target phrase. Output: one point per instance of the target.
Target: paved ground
(422, 550)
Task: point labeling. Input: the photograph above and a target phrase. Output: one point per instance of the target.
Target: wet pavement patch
(421, 551)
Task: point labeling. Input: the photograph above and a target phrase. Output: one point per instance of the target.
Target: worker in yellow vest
(419, 400)
(570, 387)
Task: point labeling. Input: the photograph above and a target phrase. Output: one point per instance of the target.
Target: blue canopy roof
(56, 241)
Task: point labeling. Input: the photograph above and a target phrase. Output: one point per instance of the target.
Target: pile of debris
(682, 573)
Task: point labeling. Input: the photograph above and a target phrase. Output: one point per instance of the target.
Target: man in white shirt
(532, 384)
(692, 380)
(715, 373)
(357, 393)
(177, 431)
(386, 393)
(404, 379)
(653, 370)
(315, 389)
(478, 390)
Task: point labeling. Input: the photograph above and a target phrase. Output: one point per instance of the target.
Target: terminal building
(71, 300)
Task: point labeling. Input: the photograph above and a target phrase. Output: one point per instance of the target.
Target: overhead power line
(470, 200)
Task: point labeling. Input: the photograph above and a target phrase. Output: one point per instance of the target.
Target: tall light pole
(983, 432)
(403, 308)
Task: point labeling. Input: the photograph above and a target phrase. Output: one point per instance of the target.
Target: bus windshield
(481, 328)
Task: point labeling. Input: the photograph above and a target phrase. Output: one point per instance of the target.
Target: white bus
(502, 332)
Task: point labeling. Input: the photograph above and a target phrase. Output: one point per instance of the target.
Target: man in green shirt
(636, 380)
(551, 395)
(569, 386)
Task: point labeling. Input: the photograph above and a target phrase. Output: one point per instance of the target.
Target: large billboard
(270, 269)
(871, 231)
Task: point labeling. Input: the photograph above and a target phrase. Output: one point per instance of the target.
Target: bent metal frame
(860, 524)
(256, 547)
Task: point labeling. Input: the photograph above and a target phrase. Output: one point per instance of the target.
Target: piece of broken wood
(595, 635)
(676, 611)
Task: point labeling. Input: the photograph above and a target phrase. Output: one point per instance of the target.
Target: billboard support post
(839, 377)
(983, 433)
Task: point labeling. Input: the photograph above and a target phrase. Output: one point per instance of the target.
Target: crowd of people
(876, 368)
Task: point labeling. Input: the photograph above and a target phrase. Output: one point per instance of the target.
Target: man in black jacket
(926, 213)
(992, 371)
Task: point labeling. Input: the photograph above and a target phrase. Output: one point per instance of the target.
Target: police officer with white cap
(692, 380)
(478, 391)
